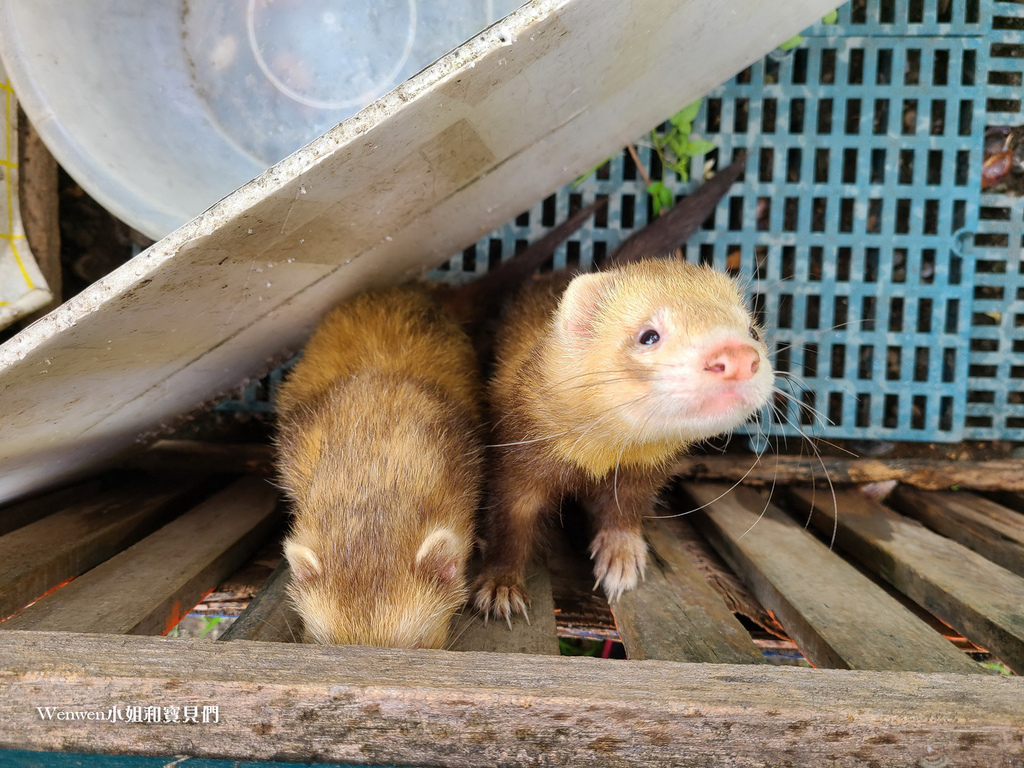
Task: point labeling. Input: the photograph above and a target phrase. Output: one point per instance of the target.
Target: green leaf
(686, 115)
(210, 622)
(832, 17)
(793, 42)
(661, 197)
(679, 144)
(699, 147)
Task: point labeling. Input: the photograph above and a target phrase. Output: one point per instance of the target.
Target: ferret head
(380, 598)
(670, 348)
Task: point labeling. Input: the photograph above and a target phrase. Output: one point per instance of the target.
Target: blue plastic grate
(852, 227)
(995, 398)
(909, 18)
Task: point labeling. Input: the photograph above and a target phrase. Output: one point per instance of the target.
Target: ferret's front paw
(620, 560)
(501, 595)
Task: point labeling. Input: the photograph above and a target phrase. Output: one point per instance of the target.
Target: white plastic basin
(159, 109)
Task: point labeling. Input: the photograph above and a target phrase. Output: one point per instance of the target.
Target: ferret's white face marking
(699, 384)
(683, 358)
(398, 605)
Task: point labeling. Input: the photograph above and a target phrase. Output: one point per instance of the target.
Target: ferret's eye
(648, 337)
(754, 334)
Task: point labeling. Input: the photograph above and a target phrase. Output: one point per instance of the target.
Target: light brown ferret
(379, 449)
(601, 381)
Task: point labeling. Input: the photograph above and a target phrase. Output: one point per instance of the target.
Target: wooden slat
(835, 614)
(982, 600)
(988, 528)
(202, 457)
(270, 616)
(149, 587)
(63, 545)
(539, 636)
(372, 706)
(675, 615)
(999, 474)
(23, 513)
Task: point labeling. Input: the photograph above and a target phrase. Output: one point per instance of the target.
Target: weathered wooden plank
(202, 457)
(540, 636)
(712, 568)
(149, 587)
(982, 600)
(835, 614)
(430, 708)
(988, 528)
(675, 615)
(39, 556)
(996, 474)
(23, 513)
(270, 616)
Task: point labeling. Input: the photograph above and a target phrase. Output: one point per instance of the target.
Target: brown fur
(576, 412)
(378, 446)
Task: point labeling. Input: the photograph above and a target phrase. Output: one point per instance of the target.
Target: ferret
(379, 447)
(600, 381)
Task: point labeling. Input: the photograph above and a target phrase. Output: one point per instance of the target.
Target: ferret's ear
(303, 561)
(580, 303)
(441, 556)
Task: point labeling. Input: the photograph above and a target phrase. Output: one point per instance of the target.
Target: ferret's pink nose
(732, 361)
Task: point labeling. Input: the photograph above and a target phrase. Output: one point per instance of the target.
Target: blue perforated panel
(853, 225)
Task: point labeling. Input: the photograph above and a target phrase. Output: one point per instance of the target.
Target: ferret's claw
(620, 560)
(502, 596)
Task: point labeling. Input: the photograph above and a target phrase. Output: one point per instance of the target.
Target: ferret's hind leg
(617, 506)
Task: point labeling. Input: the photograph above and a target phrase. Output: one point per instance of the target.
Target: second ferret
(379, 449)
(601, 381)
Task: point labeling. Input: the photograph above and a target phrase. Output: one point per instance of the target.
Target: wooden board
(461, 148)
(675, 615)
(149, 587)
(988, 528)
(41, 555)
(368, 706)
(982, 600)
(836, 615)
(536, 636)
(199, 457)
(992, 474)
(270, 617)
(14, 516)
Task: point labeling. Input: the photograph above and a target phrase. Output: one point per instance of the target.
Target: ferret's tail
(473, 301)
(672, 229)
